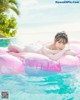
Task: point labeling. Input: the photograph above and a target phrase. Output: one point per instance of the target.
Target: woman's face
(60, 45)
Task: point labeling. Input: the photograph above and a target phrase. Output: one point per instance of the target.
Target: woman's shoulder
(47, 46)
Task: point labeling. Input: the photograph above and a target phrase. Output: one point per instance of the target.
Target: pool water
(59, 86)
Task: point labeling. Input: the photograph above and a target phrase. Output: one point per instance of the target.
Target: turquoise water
(59, 86)
(4, 42)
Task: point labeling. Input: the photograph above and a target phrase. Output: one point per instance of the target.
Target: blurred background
(40, 20)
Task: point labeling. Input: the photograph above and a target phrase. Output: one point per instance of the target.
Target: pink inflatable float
(40, 65)
(37, 64)
(10, 65)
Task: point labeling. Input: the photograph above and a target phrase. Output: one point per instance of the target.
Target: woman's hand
(66, 49)
(71, 52)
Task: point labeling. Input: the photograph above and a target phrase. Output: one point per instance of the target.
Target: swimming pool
(59, 86)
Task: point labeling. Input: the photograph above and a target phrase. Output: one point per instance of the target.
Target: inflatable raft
(37, 64)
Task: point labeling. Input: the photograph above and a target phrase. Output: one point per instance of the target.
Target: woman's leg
(14, 48)
(18, 49)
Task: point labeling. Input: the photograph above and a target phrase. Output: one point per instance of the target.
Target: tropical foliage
(8, 23)
(7, 26)
(5, 5)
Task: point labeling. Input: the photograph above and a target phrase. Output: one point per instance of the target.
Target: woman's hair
(61, 36)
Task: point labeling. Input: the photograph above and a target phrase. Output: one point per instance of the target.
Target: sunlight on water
(59, 86)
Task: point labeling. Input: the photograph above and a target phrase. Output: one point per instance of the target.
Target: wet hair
(62, 37)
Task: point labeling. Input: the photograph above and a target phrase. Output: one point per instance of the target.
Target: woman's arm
(55, 56)
(71, 52)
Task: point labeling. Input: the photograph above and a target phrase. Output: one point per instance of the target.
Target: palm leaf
(14, 9)
(9, 4)
(13, 2)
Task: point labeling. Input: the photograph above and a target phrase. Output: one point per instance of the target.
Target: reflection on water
(59, 86)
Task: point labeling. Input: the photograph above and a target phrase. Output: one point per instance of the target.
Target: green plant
(8, 23)
(5, 5)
